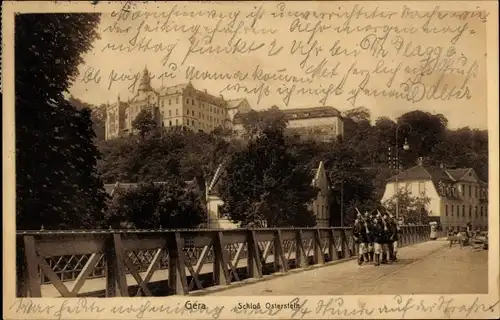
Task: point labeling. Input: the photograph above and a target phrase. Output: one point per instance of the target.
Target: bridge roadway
(424, 268)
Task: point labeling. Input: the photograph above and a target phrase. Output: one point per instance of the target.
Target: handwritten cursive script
(357, 53)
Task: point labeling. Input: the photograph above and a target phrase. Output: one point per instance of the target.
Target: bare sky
(455, 44)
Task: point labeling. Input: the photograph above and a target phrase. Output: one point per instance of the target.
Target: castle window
(475, 209)
(470, 211)
(192, 102)
(192, 113)
(452, 209)
(481, 211)
(170, 123)
(463, 189)
(176, 112)
(177, 100)
(176, 122)
(446, 209)
(169, 113)
(470, 190)
(463, 210)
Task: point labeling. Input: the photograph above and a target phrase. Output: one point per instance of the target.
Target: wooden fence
(193, 259)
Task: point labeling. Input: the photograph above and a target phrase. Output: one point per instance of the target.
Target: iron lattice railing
(73, 256)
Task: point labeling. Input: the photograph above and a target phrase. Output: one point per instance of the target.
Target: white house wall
(437, 206)
(415, 188)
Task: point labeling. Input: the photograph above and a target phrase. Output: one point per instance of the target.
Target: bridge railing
(192, 258)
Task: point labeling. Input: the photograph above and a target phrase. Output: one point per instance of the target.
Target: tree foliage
(256, 122)
(57, 185)
(412, 209)
(162, 154)
(265, 185)
(267, 160)
(144, 123)
(153, 205)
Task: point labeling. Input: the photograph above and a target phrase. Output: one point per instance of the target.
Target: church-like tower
(145, 84)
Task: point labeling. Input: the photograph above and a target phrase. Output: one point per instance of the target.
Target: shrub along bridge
(105, 263)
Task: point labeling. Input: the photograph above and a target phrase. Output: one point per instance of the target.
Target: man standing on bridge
(377, 232)
(361, 236)
(392, 236)
(371, 252)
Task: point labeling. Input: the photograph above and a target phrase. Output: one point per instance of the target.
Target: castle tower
(145, 84)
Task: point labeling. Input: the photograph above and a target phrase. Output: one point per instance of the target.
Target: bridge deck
(425, 268)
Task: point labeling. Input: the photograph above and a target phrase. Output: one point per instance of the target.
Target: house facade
(457, 196)
(172, 107)
(320, 123)
(320, 205)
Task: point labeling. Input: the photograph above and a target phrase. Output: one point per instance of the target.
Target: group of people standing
(377, 238)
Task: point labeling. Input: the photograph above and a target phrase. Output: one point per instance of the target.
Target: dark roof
(305, 113)
(414, 173)
(458, 174)
(299, 113)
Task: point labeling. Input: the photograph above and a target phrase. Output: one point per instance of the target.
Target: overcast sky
(471, 45)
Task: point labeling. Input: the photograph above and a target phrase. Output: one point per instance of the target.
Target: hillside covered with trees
(267, 163)
(62, 159)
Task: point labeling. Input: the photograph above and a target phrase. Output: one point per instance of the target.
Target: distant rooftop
(300, 113)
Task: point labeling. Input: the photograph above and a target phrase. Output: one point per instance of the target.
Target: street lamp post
(406, 147)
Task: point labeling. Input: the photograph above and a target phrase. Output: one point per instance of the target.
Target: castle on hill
(183, 106)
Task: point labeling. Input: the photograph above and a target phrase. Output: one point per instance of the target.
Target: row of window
(478, 192)
(482, 210)
(187, 122)
(481, 193)
(209, 107)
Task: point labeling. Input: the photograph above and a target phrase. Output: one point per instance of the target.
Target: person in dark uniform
(388, 238)
(394, 237)
(361, 236)
(377, 233)
(371, 252)
(384, 239)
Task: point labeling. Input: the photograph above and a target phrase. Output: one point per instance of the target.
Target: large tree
(153, 205)
(352, 185)
(162, 154)
(265, 185)
(412, 209)
(56, 181)
(144, 123)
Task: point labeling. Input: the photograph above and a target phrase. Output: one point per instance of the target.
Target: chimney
(420, 161)
(205, 90)
(442, 166)
(222, 97)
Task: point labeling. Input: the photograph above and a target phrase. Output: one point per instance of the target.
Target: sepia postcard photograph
(250, 159)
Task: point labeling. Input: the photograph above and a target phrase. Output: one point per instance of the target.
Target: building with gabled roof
(320, 123)
(320, 205)
(457, 196)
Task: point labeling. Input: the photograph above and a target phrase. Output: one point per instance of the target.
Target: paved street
(426, 268)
